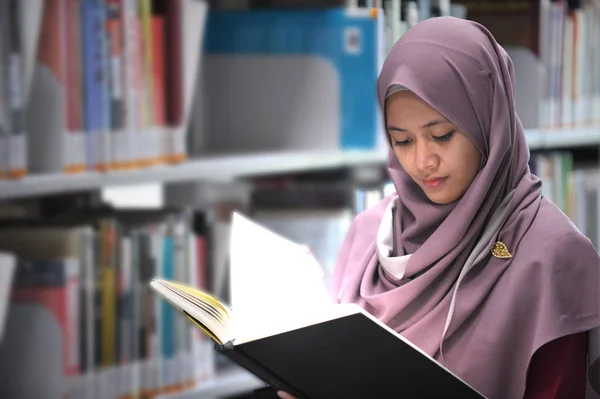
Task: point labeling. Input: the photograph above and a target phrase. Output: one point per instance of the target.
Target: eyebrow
(429, 124)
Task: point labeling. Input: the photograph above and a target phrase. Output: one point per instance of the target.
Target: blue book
(167, 313)
(277, 67)
(95, 81)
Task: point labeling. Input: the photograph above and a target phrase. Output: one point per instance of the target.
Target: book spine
(175, 74)
(184, 257)
(74, 143)
(4, 81)
(18, 138)
(107, 266)
(149, 315)
(114, 29)
(158, 80)
(167, 320)
(199, 278)
(567, 72)
(98, 316)
(130, 89)
(141, 134)
(90, 312)
(92, 27)
(149, 139)
(125, 324)
(157, 378)
(105, 144)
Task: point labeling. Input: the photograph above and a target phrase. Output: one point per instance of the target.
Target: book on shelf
(7, 268)
(12, 145)
(283, 327)
(574, 186)
(96, 85)
(554, 46)
(81, 290)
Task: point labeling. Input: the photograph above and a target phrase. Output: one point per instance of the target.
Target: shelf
(556, 138)
(226, 383)
(548, 139)
(229, 167)
(221, 168)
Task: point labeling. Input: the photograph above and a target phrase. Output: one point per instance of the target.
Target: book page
(206, 312)
(273, 280)
(323, 230)
(299, 320)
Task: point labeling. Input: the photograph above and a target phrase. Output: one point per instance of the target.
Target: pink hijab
(481, 316)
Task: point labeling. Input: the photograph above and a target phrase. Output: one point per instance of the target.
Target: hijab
(427, 270)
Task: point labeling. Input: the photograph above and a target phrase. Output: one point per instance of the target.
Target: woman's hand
(285, 395)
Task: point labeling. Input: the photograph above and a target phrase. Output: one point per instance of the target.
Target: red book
(74, 99)
(175, 65)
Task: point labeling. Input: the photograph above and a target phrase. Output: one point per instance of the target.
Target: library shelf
(224, 168)
(234, 381)
(569, 138)
(212, 168)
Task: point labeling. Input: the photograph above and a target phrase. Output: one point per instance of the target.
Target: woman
(468, 260)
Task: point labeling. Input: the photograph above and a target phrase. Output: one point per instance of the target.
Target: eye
(445, 137)
(403, 143)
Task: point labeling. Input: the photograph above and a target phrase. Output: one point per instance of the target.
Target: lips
(434, 182)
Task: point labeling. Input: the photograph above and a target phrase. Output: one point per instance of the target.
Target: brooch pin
(500, 251)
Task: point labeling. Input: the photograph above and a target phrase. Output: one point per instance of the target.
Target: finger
(285, 395)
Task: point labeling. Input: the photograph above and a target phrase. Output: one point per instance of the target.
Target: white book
(567, 74)
(7, 269)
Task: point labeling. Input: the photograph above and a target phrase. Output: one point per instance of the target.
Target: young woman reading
(467, 259)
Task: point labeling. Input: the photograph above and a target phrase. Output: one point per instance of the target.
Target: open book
(283, 328)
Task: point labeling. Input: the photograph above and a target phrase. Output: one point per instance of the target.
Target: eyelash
(440, 139)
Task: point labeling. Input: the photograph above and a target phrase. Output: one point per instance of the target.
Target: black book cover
(348, 357)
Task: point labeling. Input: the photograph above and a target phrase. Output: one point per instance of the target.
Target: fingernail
(282, 395)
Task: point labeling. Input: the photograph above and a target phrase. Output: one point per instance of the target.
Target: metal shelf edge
(230, 167)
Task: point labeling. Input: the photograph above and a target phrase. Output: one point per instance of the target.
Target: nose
(425, 157)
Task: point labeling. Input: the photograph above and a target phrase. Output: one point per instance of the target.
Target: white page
(7, 267)
(273, 280)
(322, 230)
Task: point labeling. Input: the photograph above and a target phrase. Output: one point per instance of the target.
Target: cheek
(404, 158)
(470, 160)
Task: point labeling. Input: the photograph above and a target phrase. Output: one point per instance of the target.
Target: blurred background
(131, 129)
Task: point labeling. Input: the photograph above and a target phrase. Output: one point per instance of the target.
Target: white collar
(394, 265)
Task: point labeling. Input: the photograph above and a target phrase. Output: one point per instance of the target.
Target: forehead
(405, 106)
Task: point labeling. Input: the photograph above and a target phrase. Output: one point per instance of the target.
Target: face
(440, 158)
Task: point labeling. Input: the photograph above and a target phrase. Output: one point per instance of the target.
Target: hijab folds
(427, 270)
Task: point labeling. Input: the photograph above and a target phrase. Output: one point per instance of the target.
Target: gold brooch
(500, 251)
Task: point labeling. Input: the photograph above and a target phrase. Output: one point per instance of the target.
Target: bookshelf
(225, 383)
(213, 168)
(55, 165)
(227, 168)
(558, 138)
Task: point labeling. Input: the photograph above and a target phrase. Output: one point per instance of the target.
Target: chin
(442, 199)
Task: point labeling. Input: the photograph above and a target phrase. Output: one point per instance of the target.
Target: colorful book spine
(115, 36)
(131, 89)
(75, 139)
(149, 140)
(92, 27)
(158, 88)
